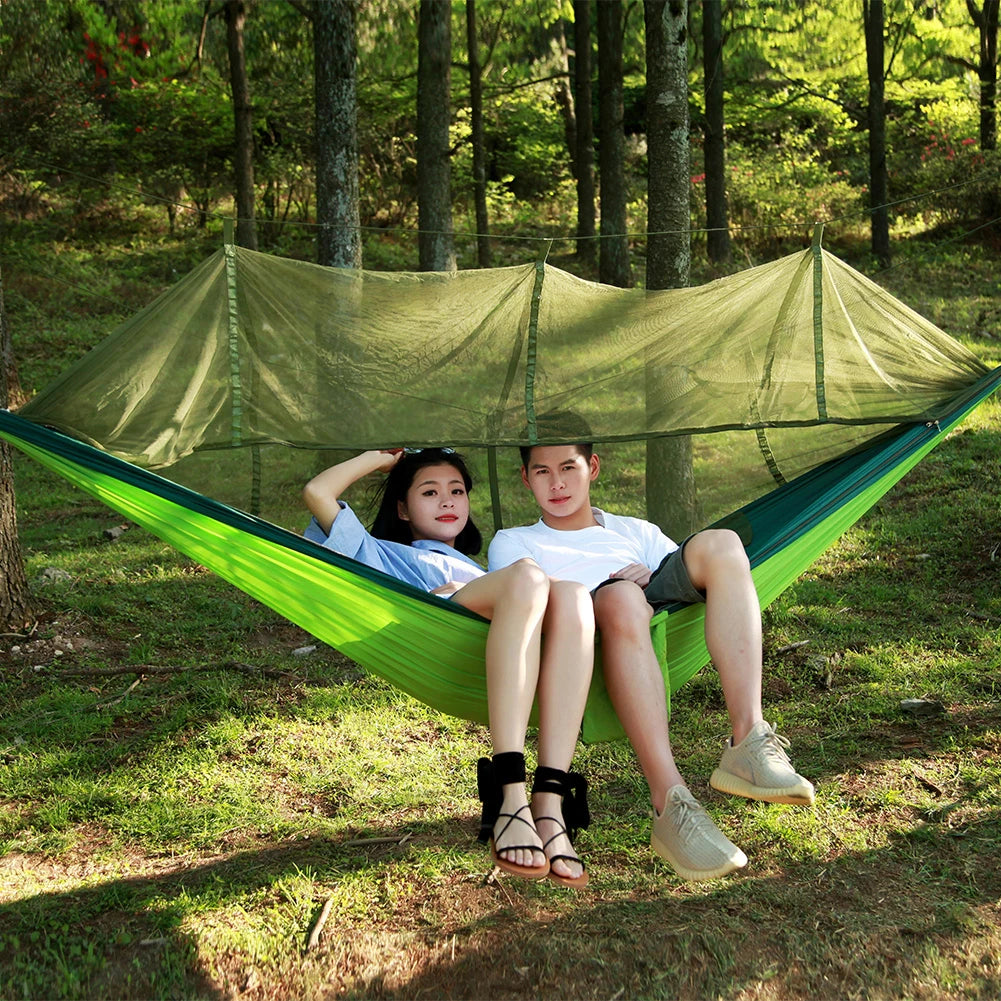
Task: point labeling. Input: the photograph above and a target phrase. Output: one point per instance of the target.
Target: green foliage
(952, 172)
(179, 136)
(796, 112)
(387, 103)
(783, 190)
(125, 100)
(527, 147)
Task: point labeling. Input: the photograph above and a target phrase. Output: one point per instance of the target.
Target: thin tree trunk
(670, 482)
(335, 71)
(243, 149)
(873, 14)
(668, 142)
(613, 252)
(479, 152)
(583, 152)
(15, 608)
(717, 223)
(434, 179)
(564, 95)
(986, 20)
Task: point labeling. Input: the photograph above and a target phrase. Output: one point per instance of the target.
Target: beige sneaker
(759, 768)
(685, 836)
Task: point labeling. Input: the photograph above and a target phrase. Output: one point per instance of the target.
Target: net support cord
(532, 351)
(236, 422)
(820, 390)
(818, 319)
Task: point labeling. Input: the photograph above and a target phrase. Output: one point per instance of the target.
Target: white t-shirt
(587, 555)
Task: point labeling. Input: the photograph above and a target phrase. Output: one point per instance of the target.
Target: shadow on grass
(882, 923)
(132, 937)
(900, 921)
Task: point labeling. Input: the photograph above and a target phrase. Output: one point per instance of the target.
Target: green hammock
(247, 347)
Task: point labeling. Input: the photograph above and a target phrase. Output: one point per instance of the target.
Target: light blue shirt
(425, 563)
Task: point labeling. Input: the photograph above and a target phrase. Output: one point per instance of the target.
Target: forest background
(184, 789)
(112, 101)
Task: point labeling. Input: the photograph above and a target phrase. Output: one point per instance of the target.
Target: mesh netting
(772, 371)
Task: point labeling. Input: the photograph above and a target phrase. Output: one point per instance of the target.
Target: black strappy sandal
(572, 787)
(491, 777)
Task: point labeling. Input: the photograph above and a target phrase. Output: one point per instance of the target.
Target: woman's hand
(386, 458)
(447, 590)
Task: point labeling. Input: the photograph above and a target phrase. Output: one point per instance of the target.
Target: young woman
(423, 534)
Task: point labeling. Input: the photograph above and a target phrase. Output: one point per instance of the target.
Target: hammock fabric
(802, 383)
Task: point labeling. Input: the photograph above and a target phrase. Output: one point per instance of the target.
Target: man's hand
(447, 590)
(636, 572)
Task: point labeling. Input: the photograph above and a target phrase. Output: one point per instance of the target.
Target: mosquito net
(771, 371)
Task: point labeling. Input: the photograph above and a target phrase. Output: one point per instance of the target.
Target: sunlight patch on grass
(791, 833)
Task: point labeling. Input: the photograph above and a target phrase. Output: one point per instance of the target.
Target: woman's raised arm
(322, 492)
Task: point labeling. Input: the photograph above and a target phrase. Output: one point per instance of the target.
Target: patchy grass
(184, 787)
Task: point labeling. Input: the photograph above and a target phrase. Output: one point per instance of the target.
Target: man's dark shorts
(669, 582)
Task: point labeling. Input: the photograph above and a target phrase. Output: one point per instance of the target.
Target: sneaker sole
(695, 875)
(736, 786)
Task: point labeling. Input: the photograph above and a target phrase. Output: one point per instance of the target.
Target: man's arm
(650, 544)
(656, 546)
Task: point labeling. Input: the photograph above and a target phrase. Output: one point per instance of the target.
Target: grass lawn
(187, 781)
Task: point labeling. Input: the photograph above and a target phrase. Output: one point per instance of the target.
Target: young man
(632, 568)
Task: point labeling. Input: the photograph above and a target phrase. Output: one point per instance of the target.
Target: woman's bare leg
(514, 600)
(564, 681)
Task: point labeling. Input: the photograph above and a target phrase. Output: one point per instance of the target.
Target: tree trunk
(613, 250)
(15, 609)
(986, 20)
(434, 179)
(335, 80)
(243, 149)
(670, 482)
(717, 223)
(479, 151)
(564, 94)
(873, 14)
(583, 152)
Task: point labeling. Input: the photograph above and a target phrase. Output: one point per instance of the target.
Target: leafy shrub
(528, 150)
(952, 177)
(781, 192)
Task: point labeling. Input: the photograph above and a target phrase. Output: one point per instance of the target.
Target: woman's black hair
(390, 526)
